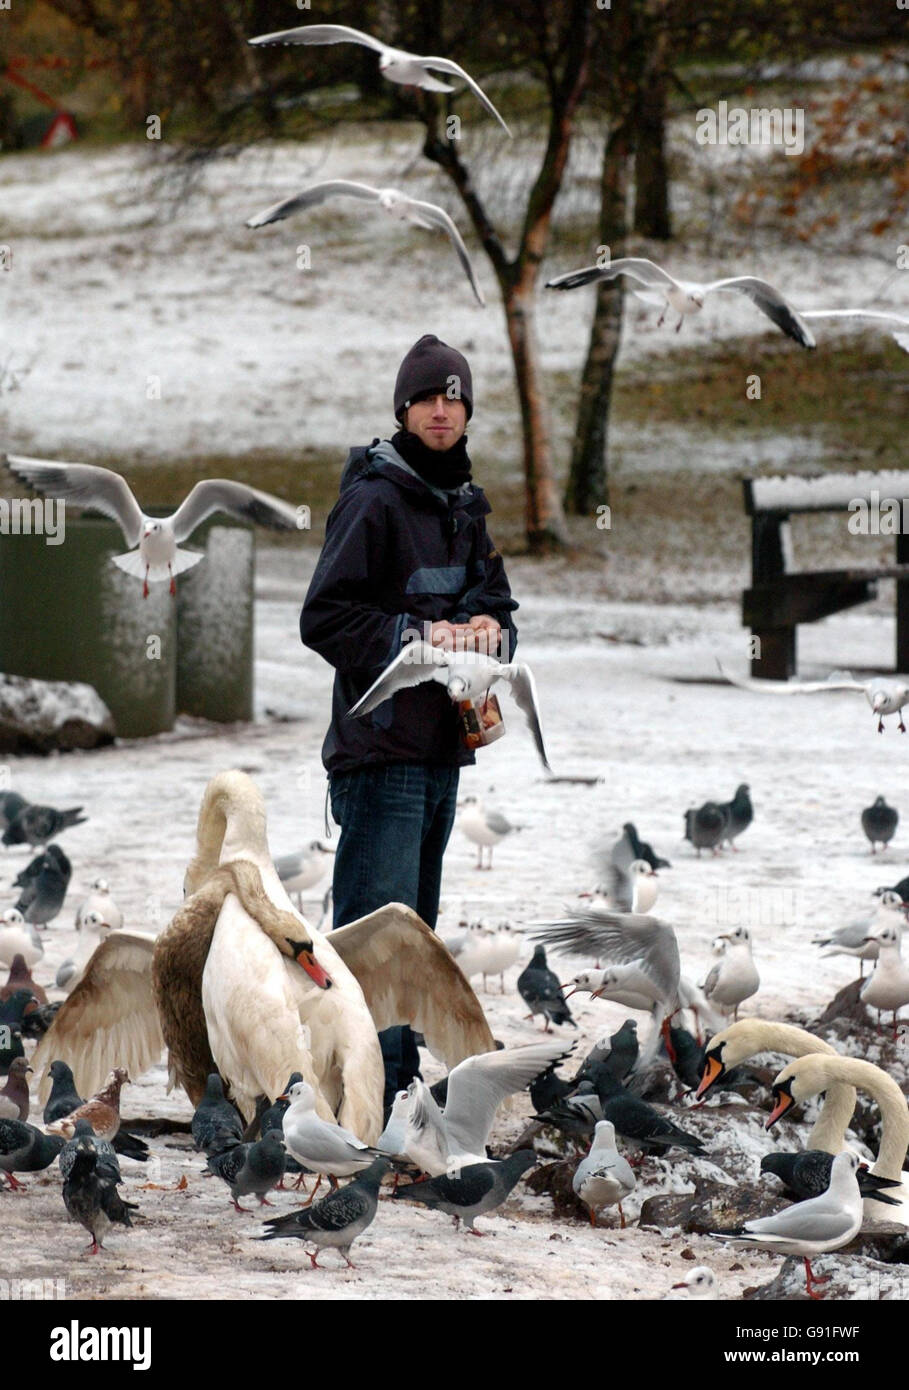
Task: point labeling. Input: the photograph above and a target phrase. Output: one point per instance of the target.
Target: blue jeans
(395, 821)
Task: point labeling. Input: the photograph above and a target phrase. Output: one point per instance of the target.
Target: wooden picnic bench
(781, 597)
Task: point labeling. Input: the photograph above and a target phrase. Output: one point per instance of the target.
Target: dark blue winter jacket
(398, 553)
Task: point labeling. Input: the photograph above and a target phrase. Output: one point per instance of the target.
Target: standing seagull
(338, 1219)
(542, 993)
(484, 828)
(858, 938)
(390, 200)
(810, 1228)
(321, 1146)
(687, 296)
(466, 675)
(887, 988)
(157, 538)
(884, 694)
(604, 1178)
(407, 69)
(879, 822)
(302, 870)
(734, 978)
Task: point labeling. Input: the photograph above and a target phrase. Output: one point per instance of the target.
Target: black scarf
(443, 468)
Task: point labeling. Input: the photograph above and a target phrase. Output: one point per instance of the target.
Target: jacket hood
(378, 460)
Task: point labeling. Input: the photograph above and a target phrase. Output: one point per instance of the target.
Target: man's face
(438, 421)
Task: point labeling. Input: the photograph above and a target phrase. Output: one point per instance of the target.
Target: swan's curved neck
(891, 1102)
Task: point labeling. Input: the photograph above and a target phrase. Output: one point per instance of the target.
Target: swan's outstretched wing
(85, 485)
(430, 213)
(235, 499)
(416, 662)
(320, 34)
(408, 976)
(637, 268)
(312, 197)
(769, 300)
(791, 687)
(455, 70)
(524, 690)
(110, 1019)
(478, 1086)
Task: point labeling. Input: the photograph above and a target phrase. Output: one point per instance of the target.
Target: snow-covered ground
(648, 720)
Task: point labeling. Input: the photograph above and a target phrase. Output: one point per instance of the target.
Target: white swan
(809, 1075)
(242, 984)
(750, 1036)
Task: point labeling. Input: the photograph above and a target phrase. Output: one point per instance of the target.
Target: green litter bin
(67, 613)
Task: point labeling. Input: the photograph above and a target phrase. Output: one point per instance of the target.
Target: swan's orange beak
(783, 1101)
(713, 1070)
(314, 969)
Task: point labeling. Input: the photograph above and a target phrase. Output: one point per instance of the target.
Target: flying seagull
(157, 538)
(891, 322)
(407, 69)
(390, 200)
(884, 694)
(687, 296)
(466, 676)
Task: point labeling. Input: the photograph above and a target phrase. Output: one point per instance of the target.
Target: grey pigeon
(92, 1199)
(706, 827)
(629, 847)
(542, 993)
(24, 1149)
(806, 1174)
(879, 823)
(637, 1121)
(739, 813)
(14, 1098)
(63, 1098)
(45, 889)
(215, 1116)
(271, 1117)
(11, 803)
(475, 1190)
(35, 825)
(338, 1219)
(108, 1166)
(618, 1053)
(548, 1089)
(250, 1168)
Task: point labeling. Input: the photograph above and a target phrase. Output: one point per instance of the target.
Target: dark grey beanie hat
(429, 367)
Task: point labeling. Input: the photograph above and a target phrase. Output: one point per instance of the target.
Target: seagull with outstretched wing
(407, 69)
(687, 296)
(153, 541)
(465, 675)
(391, 200)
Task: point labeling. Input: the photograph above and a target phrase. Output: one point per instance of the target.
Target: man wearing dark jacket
(406, 549)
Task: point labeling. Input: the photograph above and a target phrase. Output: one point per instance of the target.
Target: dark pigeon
(271, 1117)
(577, 1114)
(688, 1061)
(45, 889)
(92, 1199)
(12, 1014)
(806, 1174)
(39, 1018)
(63, 1098)
(250, 1168)
(338, 1219)
(879, 823)
(24, 1149)
(11, 803)
(130, 1145)
(902, 888)
(548, 1089)
(629, 846)
(14, 1098)
(639, 1122)
(20, 977)
(215, 1114)
(739, 812)
(35, 825)
(706, 827)
(8, 1054)
(542, 993)
(619, 1054)
(108, 1167)
(473, 1191)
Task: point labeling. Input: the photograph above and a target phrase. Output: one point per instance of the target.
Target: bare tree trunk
(651, 194)
(545, 523)
(588, 480)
